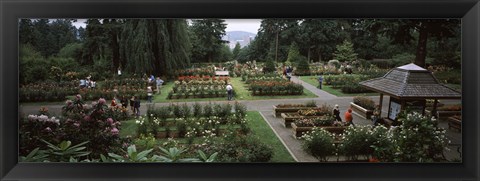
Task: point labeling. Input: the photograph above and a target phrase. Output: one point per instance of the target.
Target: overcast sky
(248, 25)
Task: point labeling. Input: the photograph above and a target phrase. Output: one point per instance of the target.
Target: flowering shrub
(319, 143)
(79, 123)
(364, 102)
(35, 128)
(418, 139)
(357, 141)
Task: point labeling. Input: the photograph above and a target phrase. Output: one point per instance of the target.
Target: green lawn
(261, 130)
(256, 123)
(312, 80)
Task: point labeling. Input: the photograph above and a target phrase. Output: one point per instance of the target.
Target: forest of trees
(160, 46)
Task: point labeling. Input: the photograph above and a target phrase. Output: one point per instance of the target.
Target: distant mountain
(242, 37)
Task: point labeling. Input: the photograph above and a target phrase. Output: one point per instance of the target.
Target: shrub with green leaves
(357, 141)
(319, 143)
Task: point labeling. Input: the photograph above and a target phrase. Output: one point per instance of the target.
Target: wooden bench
(455, 122)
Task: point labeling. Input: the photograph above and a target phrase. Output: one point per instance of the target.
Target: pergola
(408, 87)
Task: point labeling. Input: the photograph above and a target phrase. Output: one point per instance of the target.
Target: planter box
(299, 131)
(278, 111)
(289, 118)
(362, 112)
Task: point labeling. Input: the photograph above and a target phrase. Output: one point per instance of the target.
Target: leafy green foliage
(64, 151)
(345, 52)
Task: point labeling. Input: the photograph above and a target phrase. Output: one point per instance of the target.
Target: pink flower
(110, 121)
(114, 131)
(68, 102)
(78, 97)
(76, 124)
(48, 129)
(101, 101)
(87, 118)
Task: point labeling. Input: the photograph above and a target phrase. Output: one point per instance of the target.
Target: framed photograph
(171, 90)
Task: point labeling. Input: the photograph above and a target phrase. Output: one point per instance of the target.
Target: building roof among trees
(411, 81)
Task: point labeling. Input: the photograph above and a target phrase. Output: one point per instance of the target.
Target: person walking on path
(289, 73)
(336, 113)
(376, 115)
(149, 94)
(349, 117)
(229, 92)
(136, 106)
(320, 81)
(159, 84)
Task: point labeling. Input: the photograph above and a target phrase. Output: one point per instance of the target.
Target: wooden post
(434, 109)
(380, 105)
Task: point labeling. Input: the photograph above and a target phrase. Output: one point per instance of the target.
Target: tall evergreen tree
(207, 35)
(155, 46)
(345, 52)
(236, 50)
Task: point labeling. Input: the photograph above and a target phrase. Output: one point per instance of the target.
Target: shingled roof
(410, 81)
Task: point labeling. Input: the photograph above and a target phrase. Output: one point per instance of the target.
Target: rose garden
(279, 112)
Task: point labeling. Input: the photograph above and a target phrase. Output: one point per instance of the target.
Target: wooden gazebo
(408, 87)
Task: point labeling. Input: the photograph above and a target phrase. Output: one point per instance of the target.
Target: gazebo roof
(411, 81)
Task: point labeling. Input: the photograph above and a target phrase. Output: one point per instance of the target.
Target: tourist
(229, 92)
(114, 101)
(124, 102)
(376, 115)
(159, 84)
(151, 79)
(136, 106)
(149, 94)
(132, 104)
(83, 83)
(320, 81)
(119, 71)
(336, 113)
(289, 73)
(349, 117)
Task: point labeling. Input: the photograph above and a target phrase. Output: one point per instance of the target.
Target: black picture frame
(11, 11)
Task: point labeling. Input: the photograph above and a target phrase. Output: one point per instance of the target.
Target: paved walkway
(286, 134)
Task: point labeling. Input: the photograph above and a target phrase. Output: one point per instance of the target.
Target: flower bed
(274, 88)
(191, 121)
(47, 91)
(199, 87)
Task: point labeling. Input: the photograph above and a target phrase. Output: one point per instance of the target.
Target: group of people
(87, 83)
(134, 103)
(348, 115)
(349, 118)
